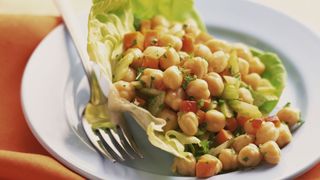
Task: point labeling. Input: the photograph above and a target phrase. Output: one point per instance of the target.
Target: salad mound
(204, 100)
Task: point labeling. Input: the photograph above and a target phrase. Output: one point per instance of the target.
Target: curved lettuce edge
(173, 10)
(276, 74)
(109, 20)
(171, 141)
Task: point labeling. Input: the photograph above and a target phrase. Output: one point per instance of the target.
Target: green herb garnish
(187, 79)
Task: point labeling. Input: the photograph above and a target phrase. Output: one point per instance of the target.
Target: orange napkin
(19, 35)
(21, 156)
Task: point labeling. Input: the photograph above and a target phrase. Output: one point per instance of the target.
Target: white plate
(54, 92)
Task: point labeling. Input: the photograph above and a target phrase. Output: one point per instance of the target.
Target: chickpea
(215, 166)
(130, 76)
(203, 37)
(270, 152)
(267, 132)
(245, 95)
(198, 89)
(161, 29)
(198, 66)
(137, 60)
(215, 84)
(185, 167)
(243, 51)
(256, 66)
(171, 41)
(174, 98)
(151, 77)
(229, 159)
(171, 118)
(154, 52)
(202, 51)
(170, 58)
(241, 141)
(159, 21)
(172, 78)
(215, 120)
(183, 57)
(188, 123)
(243, 67)
(191, 27)
(248, 128)
(125, 90)
(218, 62)
(218, 45)
(253, 80)
(289, 115)
(285, 135)
(177, 30)
(249, 156)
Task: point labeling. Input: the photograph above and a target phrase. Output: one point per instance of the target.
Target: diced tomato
(205, 168)
(133, 40)
(150, 63)
(188, 106)
(223, 136)
(201, 115)
(145, 25)
(256, 123)
(159, 85)
(151, 38)
(187, 43)
(276, 121)
(231, 124)
(139, 101)
(206, 104)
(241, 120)
(225, 72)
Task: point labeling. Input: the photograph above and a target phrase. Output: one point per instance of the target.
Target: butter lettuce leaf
(266, 99)
(173, 10)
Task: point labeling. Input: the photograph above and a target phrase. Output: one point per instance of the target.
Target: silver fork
(116, 143)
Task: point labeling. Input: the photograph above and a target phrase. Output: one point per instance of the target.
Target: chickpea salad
(204, 100)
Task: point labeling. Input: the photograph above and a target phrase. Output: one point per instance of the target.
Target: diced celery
(155, 105)
(245, 109)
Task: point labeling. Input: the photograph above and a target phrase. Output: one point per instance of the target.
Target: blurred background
(305, 11)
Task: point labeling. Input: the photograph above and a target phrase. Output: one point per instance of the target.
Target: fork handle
(73, 27)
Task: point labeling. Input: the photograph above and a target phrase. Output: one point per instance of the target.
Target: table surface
(304, 11)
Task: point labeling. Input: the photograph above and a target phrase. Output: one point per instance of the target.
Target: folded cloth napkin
(21, 156)
(20, 152)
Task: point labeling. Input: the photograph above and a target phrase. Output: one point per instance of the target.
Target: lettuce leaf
(267, 98)
(173, 10)
(109, 20)
(171, 141)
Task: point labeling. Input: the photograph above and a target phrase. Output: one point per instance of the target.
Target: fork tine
(95, 141)
(108, 145)
(118, 142)
(128, 139)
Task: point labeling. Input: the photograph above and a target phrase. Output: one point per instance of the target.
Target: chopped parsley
(245, 159)
(187, 79)
(199, 149)
(139, 72)
(200, 103)
(134, 42)
(154, 41)
(165, 55)
(152, 79)
(287, 105)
